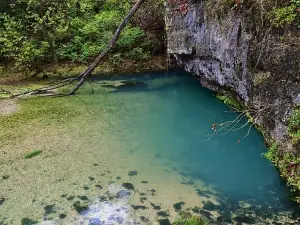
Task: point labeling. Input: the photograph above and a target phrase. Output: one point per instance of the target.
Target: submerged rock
(27, 221)
(91, 178)
(49, 209)
(2, 200)
(136, 207)
(209, 206)
(62, 216)
(94, 221)
(178, 206)
(163, 214)
(196, 209)
(143, 199)
(243, 218)
(5, 177)
(80, 206)
(224, 219)
(164, 222)
(123, 193)
(205, 214)
(86, 187)
(132, 173)
(70, 198)
(98, 186)
(115, 219)
(83, 198)
(156, 207)
(128, 186)
(144, 219)
(201, 193)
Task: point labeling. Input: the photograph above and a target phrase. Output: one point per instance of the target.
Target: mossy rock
(80, 206)
(231, 102)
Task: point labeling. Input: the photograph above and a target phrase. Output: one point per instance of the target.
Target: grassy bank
(69, 69)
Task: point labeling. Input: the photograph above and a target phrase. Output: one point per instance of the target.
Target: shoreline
(69, 69)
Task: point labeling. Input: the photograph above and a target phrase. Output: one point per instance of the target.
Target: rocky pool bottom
(137, 151)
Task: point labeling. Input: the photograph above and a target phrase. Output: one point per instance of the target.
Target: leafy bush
(115, 60)
(272, 153)
(294, 126)
(34, 32)
(287, 14)
(294, 121)
(138, 54)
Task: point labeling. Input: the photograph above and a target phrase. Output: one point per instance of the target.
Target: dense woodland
(35, 34)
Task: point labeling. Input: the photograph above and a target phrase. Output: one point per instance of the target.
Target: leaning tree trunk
(84, 75)
(112, 43)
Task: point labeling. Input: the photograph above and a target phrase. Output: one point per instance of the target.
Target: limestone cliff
(227, 52)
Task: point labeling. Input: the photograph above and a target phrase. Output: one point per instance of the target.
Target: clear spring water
(161, 130)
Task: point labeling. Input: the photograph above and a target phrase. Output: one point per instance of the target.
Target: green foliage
(272, 153)
(279, 13)
(138, 54)
(32, 154)
(294, 126)
(186, 218)
(288, 13)
(115, 60)
(34, 33)
(230, 101)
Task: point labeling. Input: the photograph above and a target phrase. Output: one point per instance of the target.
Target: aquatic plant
(186, 218)
(230, 101)
(32, 154)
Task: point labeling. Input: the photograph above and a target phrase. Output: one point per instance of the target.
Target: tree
(39, 33)
(84, 75)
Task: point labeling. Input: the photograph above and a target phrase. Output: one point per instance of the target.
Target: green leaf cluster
(288, 14)
(186, 218)
(34, 33)
(294, 126)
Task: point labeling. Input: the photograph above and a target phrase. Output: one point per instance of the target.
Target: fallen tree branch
(84, 75)
(222, 129)
(3, 91)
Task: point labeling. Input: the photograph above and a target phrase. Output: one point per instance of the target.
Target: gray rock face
(226, 53)
(210, 48)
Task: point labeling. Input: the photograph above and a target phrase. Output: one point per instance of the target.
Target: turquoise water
(174, 120)
(154, 138)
